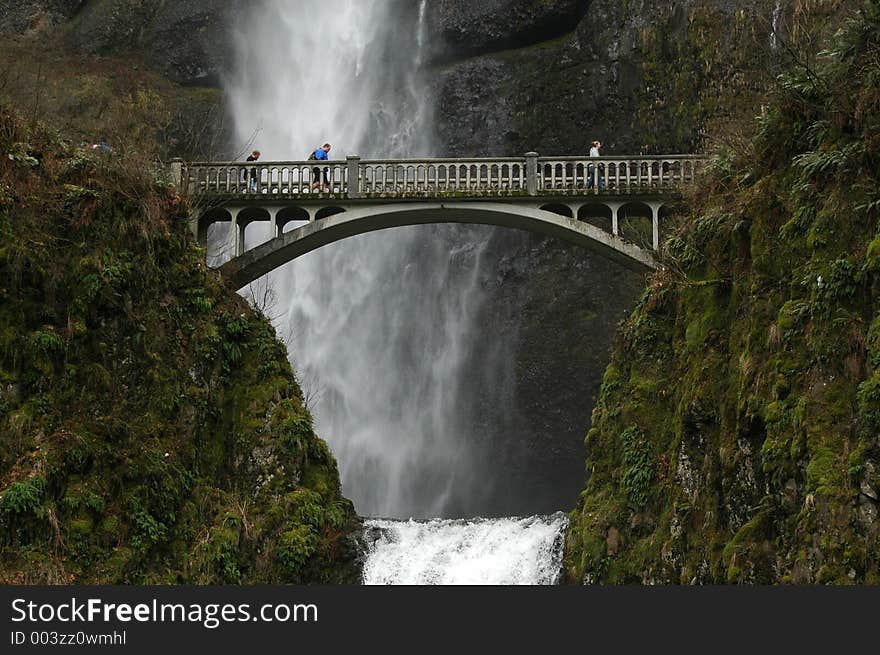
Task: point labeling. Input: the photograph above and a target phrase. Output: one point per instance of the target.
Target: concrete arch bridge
(578, 199)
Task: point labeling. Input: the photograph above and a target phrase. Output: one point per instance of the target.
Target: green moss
(638, 466)
(295, 547)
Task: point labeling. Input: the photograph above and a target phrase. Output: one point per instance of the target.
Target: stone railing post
(177, 173)
(532, 173)
(353, 175)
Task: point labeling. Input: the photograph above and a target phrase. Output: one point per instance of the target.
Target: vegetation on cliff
(736, 434)
(119, 98)
(151, 428)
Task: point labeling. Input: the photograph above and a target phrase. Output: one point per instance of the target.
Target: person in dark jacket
(321, 155)
(252, 176)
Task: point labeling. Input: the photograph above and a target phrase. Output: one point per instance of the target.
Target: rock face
(17, 16)
(186, 41)
(640, 76)
(464, 28)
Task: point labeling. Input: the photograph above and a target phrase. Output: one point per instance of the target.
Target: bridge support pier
(614, 207)
(655, 224)
(177, 173)
(236, 234)
(273, 222)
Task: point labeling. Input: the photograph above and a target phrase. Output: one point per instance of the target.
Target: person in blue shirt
(321, 155)
(101, 145)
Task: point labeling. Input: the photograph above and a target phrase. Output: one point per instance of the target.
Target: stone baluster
(353, 175)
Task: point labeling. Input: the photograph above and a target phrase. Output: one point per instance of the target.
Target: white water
(526, 551)
(380, 327)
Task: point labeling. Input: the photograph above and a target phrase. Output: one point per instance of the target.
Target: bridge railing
(287, 178)
(624, 175)
(528, 175)
(439, 176)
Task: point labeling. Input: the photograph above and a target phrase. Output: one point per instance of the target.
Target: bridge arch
(253, 264)
(244, 218)
(249, 215)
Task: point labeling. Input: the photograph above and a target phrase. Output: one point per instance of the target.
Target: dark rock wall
(464, 28)
(188, 42)
(17, 16)
(736, 434)
(640, 76)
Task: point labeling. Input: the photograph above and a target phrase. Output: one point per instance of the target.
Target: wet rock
(552, 78)
(19, 16)
(612, 540)
(189, 42)
(869, 481)
(867, 512)
(465, 28)
(686, 475)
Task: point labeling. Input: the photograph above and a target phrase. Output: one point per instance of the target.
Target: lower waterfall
(501, 551)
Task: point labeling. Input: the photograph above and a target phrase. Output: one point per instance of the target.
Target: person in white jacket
(594, 152)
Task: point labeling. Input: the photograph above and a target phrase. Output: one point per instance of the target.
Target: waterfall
(380, 327)
(377, 325)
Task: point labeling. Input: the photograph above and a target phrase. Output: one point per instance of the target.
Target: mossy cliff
(737, 433)
(151, 428)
